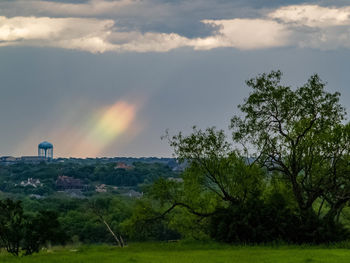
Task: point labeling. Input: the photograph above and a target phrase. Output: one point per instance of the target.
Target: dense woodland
(283, 176)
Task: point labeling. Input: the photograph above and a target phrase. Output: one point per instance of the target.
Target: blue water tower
(45, 150)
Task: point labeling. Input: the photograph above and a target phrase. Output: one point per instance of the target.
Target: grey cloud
(181, 17)
(159, 26)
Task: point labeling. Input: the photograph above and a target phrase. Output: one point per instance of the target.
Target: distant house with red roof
(121, 165)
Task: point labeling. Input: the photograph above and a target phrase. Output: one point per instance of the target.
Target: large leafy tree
(299, 136)
(299, 133)
(216, 178)
(216, 175)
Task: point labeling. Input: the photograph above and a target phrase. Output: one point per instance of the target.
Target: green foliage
(215, 178)
(42, 228)
(146, 223)
(90, 174)
(20, 232)
(214, 168)
(254, 222)
(272, 220)
(297, 133)
(190, 226)
(11, 225)
(80, 222)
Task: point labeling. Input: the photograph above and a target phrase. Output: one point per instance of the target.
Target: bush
(147, 224)
(22, 233)
(258, 221)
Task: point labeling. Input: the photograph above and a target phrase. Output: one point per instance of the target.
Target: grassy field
(185, 253)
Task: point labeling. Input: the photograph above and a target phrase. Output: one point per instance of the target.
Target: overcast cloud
(98, 26)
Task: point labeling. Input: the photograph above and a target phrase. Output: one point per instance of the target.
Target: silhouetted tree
(12, 222)
(20, 232)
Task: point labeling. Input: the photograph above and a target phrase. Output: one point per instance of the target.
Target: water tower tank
(45, 149)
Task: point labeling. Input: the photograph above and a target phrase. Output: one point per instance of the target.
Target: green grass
(185, 253)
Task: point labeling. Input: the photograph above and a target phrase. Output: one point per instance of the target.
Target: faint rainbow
(106, 125)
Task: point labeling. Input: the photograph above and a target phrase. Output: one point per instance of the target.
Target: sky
(105, 78)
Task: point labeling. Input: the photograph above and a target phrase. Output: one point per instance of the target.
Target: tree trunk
(120, 244)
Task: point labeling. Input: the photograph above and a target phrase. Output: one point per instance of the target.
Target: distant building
(45, 153)
(31, 159)
(31, 182)
(122, 165)
(66, 183)
(8, 160)
(102, 188)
